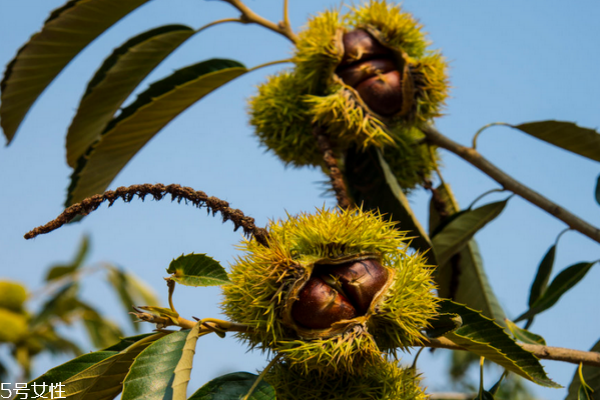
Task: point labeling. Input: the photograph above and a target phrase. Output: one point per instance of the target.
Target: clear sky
(511, 61)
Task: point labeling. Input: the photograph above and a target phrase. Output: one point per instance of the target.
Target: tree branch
(542, 352)
(508, 183)
(337, 180)
(250, 16)
(158, 191)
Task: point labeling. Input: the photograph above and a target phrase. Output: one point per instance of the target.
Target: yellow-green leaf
(523, 335)
(183, 369)
(197, 270)
(566, 135)
(67, 31)
(126, 134)
(115, 80)
(586, 379)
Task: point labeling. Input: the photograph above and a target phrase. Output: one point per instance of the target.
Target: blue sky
(511, 61)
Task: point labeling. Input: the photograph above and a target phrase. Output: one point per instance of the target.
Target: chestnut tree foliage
(334, 296)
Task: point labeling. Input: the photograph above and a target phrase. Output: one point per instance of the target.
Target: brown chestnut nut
(319, 305)
(382, 93)
(360, 45)
(354, 74)
(360, 281)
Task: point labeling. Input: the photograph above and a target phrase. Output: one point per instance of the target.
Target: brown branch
(542, 352)
(158, 192)
(508, 183)
(249, 16)
(337, 180)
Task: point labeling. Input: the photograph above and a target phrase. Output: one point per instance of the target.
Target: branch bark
(337, 180)
(249, 16)
(508, 183)
(542, 352)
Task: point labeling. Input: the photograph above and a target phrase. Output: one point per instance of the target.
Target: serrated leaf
(540, 283)
(197, 270)
(455, 236)
(59, 271)
(372, 184)
(115, 80)
(154, 108)
(590, 375)
(482, 336)
(233, 387)
(183, 369)
(564, 281)
(130, 291)
(145, 380)
(463, 278)
(566, 135)
(71, 368)
(523, 335)
(442, 324)
(67, 31)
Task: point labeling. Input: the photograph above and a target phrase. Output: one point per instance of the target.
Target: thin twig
(250, 16)
(337, 179)
(158, 192)
(542, 352)
(508, 183)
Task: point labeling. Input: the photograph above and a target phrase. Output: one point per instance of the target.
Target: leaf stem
(543, 352)
(483, 128)
(220, 21)
(261, 376)
(268, 64)
(508, 183)
(249, 16)
(481, 196)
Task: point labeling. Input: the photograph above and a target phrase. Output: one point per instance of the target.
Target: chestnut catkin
(382, 93)
(319, 305)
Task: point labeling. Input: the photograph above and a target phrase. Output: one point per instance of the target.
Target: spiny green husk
(288, 105)
(12, 295)
(13, 326)
(264, 278)
(386, 381)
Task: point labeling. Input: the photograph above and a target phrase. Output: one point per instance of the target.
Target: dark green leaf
(79, 364)
(144, 380)
(463, 277)
(372, 185)
(482, 336)
(591, 376)
(233, 387)
(59, 271)
(197, 270)
(566, 135)
(66, 32)
(598, 190)
(523, 335)
(127, 133)
(116, 79)
(61, 305)
(102, 332)
(564, 281)
(543, 276)
(104, 380)
(443, 324)
(455, 236)
(484, 395)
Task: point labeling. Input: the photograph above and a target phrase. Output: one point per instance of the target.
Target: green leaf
(233, 387)
(104, 380)
(564, 281)
(61, 305)
(130, 291)
(443, 324)
(598, 190)
(455, 236)
(154, 108)
(482, 336)
(463, 277)
(566, 135)
(372, 184)
(116, 79)
(523, 335)
(71, 368)
(59, 271)
(67, 31)
(145, 380)
(183, 369)
(102, 332)
(585, 374)
(197, 270)
(542, 277)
